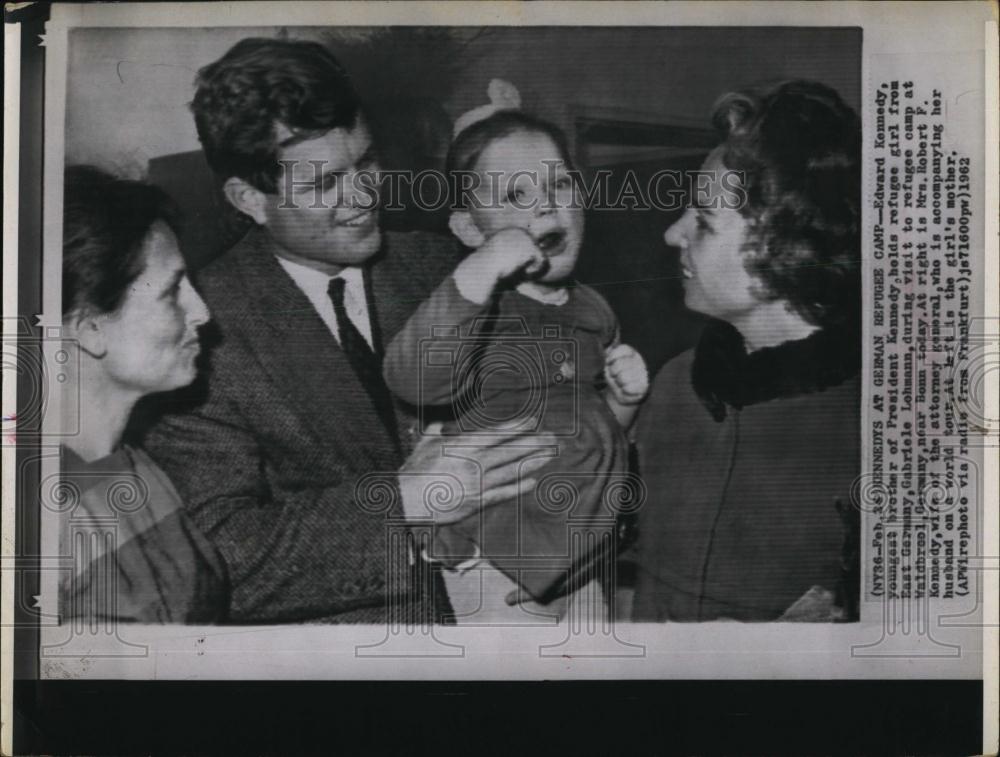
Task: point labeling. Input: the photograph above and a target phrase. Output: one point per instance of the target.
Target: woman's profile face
(712, 240)
(152, 339)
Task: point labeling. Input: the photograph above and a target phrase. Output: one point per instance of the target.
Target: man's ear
(462, 226)
(87, 330)
(246, 199)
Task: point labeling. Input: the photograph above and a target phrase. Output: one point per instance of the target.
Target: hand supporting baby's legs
(480, 597)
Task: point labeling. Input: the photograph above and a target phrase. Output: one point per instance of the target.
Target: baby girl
(509, 338)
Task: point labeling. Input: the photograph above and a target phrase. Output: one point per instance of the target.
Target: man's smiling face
(321, 216)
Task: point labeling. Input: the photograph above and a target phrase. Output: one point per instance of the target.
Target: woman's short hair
(260, 83)
(798, 150)
(105, 222)
(471, 142)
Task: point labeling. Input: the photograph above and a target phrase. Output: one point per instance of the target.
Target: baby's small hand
(626, 374)
(501, 256)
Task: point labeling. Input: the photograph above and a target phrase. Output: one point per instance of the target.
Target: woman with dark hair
(749, 443)
(130, 321)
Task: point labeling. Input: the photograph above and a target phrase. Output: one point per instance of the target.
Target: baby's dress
(540, 367)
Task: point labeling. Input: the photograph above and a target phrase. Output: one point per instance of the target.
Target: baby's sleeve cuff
(461, 567)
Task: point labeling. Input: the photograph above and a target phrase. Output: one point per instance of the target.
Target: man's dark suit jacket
(278, 431)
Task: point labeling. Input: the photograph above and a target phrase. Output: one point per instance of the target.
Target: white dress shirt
(315, 286)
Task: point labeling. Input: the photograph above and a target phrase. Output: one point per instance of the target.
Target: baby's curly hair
(262, 82)
(474, 140)
(798, 149)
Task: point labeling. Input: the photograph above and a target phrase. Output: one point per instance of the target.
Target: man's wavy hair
(260, 83)
(798, 148)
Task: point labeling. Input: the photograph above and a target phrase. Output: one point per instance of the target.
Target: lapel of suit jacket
(395, 293)
(304, 358)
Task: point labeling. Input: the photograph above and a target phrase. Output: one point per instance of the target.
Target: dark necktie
(367, 364)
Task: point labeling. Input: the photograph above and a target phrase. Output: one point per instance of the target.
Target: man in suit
(293, 415)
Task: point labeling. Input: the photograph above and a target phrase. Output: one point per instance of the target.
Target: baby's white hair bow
(503, 96)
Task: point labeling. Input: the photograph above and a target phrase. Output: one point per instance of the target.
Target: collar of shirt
(555, 297)
(315, 286)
